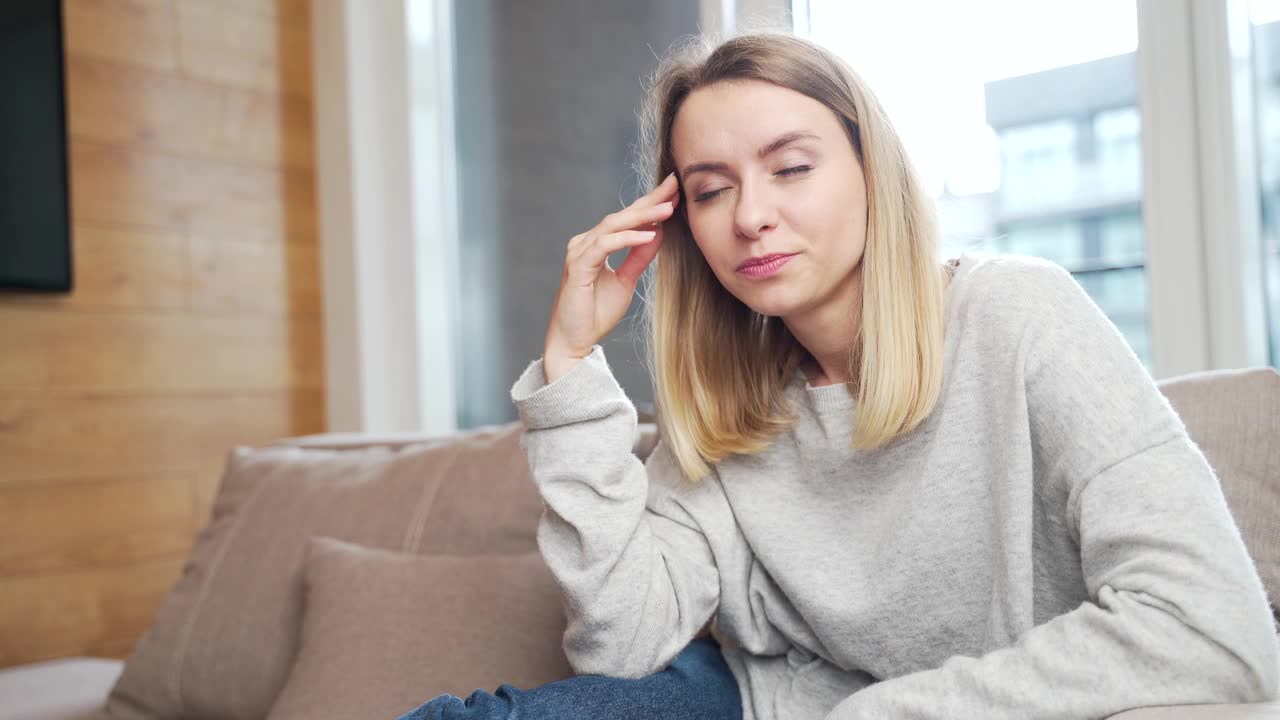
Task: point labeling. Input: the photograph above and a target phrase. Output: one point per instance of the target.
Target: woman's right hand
(593, 297)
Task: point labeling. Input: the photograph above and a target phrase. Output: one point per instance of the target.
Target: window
(1265, 26)
(1022, 119)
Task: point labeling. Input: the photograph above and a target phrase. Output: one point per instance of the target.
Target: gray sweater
(1049, 543)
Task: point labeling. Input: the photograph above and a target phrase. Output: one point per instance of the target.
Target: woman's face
(748, 194)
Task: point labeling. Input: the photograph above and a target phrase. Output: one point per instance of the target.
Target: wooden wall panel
(133, 31)
(95, 522)
(125, 267)
(51, 435)
(195, 321)
(243, 275)
(169, 113)
(244, 48)
(95, 611)
(120, 185)
(162, 353)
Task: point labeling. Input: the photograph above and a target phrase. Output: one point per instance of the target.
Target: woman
(896, 489)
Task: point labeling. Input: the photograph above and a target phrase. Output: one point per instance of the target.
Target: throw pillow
(225, 636)
(383, 631)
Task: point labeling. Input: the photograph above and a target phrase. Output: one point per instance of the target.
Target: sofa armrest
(66, 689)
(1250, 711)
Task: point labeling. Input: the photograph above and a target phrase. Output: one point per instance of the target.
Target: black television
(35, 223)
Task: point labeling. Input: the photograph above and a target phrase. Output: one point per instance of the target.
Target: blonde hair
(720, 369)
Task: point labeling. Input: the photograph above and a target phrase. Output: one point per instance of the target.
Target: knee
(433, 709)
(479, 705)
(702, 656)
(482, 705)
(702, 667)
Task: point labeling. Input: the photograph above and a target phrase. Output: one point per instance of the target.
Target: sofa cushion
(384, 631)
(1234, 416)
(225, 636)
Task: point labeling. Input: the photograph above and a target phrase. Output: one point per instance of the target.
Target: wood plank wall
(195, 323)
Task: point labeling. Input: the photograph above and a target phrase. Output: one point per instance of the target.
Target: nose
(756, 211)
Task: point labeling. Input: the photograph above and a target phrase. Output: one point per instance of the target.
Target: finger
(634, 217)
(638, 258)
(593, 255)
(668, 189)
(644, 212)
(662, 192)
(668, 184)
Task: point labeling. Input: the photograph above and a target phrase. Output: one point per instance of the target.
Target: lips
(764, 270)
(763, 260)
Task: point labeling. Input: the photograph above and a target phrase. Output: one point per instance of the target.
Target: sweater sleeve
(1176, 613)
(637, 575)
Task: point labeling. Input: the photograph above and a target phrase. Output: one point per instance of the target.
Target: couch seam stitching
(184, 638)
(413, 536)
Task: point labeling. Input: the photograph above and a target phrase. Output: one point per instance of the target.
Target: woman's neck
(830, 331)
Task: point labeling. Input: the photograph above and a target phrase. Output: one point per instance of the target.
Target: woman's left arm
(1177, 613)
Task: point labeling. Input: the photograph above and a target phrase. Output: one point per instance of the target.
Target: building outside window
(1028, 134)
(1265, 21)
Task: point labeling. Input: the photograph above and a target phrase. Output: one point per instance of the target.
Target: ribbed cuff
(587, 392)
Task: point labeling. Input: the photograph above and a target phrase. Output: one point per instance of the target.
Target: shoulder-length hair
(719, 368)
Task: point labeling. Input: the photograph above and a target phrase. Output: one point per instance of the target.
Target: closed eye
(791, 171)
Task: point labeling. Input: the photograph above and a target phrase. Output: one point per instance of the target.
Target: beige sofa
(357, 576)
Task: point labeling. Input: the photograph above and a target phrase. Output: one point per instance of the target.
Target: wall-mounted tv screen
(35, 227)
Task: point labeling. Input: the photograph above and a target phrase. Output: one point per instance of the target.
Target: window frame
(390, 320)
(1200, 208)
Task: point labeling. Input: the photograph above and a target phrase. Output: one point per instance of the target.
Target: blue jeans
(696, 686)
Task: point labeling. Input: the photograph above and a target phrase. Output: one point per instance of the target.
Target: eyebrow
(773, 146)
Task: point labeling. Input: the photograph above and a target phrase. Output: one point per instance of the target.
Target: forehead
(736, 118)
